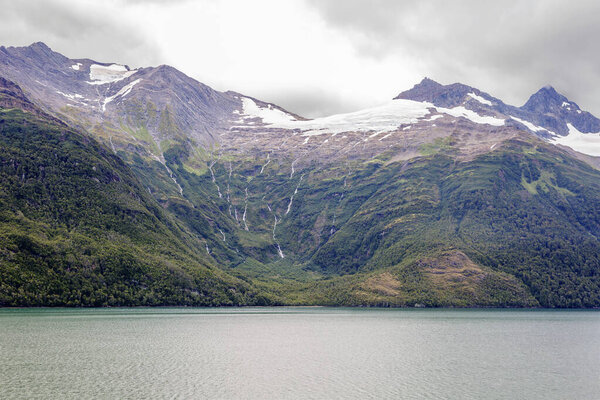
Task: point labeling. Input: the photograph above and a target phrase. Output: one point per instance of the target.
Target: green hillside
(517, 226)
(77, 228)
(80, 225)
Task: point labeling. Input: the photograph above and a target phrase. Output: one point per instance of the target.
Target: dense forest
(77, 228)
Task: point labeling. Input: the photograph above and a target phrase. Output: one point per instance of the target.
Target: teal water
(298, 353)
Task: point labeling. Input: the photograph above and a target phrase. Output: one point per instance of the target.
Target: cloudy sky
(317, 57)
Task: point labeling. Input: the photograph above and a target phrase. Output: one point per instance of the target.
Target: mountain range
(124, 186)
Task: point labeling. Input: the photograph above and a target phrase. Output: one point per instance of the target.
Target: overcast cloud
(317, 57)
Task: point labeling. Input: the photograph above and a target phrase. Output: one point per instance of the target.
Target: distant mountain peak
(427, 82)
(554, 111)
(549, 91)
(39, 45)
(441, 95)
(41, 49)
(544, 100)
(426, 85)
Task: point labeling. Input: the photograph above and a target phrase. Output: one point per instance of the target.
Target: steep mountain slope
(526, 209)
(552, 110)
(76, 227)
(443, 196)
(467, 215)
(546, 114)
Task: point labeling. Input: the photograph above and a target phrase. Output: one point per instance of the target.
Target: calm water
(280, 353)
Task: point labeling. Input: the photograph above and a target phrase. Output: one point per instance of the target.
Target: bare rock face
(546, 109)
(11, 96)
(440, 95)
(550, 109)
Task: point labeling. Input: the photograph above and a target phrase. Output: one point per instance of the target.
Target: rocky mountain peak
(40, 46)
(552, 110)
(440, 95)
(421, 90)
(37, 54)
(427, 83)
(42, 51)
(545, 99)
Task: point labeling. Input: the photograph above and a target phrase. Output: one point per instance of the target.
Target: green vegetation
(521, 225)
(439, 144)
(81, 226)
(544, 182)
(77, 228)
(542, 229)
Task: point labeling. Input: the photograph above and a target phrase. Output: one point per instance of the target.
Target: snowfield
(471, 115)
(123, 92)
(480, 99)
(387, 117)
(269, 114)
(103, 74)
(586, 143)
(530, 126)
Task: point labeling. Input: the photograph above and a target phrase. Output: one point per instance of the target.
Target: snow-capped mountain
(444, 187)
(106, 93)
(152, 107)
(546, 114)
(115, 100)
(554, 111)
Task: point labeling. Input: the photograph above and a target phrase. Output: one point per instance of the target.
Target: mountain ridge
(546, 108)
(204, 114)
(445, 197)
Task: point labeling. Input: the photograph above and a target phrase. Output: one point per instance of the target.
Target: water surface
(289, 353)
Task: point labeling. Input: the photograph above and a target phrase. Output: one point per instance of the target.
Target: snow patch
(586, 143)
(384, 118)
(432, 118)
(123, 92)
(70, 96)
(472, 116)
(269, 114)
(529, 125)
(480, 99)
(102, 74)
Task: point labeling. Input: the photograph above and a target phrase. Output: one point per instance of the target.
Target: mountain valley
(126, 186)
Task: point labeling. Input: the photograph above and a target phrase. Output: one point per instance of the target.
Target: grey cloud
(161, 2)
(309, 102)
(73, 29)
(508, 48)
